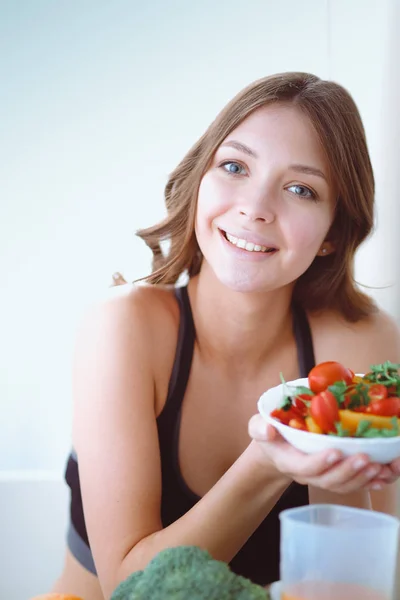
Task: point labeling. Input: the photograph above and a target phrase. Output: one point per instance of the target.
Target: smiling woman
(321, 112)
(284, 207)
(265, 214)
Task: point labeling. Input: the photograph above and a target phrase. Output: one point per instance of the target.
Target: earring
(324, 250)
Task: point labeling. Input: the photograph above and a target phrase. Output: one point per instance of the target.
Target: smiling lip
(244, 254)
(250, 238)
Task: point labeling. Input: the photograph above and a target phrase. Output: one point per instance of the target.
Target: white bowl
(380, 450)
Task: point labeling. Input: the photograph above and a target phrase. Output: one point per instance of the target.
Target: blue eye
(303, 192)
(233, 168)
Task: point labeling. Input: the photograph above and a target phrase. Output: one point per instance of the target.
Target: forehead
(282, 132)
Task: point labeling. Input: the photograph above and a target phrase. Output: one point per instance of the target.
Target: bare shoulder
(150, 310)
(151, 299)
(371, 340)
(131, 320)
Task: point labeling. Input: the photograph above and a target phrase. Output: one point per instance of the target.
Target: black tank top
(258, 559)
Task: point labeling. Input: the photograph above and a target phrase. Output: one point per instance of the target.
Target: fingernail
(376, 486)
(360, 463)
(333, 457)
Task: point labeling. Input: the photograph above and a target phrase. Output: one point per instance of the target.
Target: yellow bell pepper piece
(312, 426)
(350, 420)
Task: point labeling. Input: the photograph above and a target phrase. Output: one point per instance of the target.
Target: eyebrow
(241, 147)
(309, 171)
(306, 169)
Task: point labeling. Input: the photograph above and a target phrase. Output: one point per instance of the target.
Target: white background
(99, 101)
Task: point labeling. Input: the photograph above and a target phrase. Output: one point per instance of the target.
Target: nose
(260, 214)
(258, 203)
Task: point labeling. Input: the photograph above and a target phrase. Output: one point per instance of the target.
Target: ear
(326, 249)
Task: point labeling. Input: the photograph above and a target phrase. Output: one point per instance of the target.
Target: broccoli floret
(187, 572)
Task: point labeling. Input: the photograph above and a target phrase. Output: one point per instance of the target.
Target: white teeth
(249, 246)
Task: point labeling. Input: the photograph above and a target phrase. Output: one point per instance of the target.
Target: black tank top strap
(304, 342)
(182, 362)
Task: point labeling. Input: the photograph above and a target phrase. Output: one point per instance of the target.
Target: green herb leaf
(299, 389)
(286, 404)
(340, 430)
(365, 430)
(386, 373)
(292, 392)
(362, 427)
(339, 390)
(380, 433)
(359, 396)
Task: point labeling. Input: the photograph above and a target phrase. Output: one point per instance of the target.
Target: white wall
(99, 102)
(33, 520)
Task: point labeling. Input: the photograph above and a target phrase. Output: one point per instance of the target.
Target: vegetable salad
(338, 402)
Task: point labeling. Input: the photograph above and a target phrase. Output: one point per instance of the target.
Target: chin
(243, 282)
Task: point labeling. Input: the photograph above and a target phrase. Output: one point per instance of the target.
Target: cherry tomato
(298, 424)
(388, 407)
(325, 411)
(377, 392)
(284, 416)
(326, 374)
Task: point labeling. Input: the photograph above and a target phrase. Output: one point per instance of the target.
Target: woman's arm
(115, 435)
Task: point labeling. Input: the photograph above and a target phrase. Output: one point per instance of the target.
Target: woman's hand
(328, 470)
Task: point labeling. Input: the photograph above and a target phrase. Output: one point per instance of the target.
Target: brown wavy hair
(329, 281)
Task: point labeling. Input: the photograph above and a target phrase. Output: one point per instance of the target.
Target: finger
(395, 466)
(385, 481)
(386, 475)
(300, 466)
(351, 474)
(314, 465)
(363, 480)
(261, 431)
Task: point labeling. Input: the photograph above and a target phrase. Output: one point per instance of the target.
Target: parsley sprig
(386, 374)
(293, 391)
(365, 430)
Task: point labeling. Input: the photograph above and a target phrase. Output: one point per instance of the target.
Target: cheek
(204, 209)
(308, 231)
(213, 198)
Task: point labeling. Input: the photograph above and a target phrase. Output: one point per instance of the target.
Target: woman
(265, 214)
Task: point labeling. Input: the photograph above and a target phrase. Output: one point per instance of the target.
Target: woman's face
(265, 205)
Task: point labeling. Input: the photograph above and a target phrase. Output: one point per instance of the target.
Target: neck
(239, 328)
